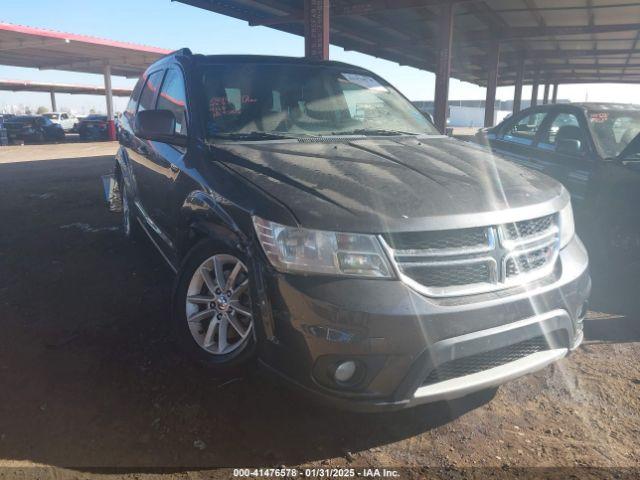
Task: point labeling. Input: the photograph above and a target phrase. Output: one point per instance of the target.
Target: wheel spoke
(222, 334)
(238, 307)
(208, 338)
(219, 272)
(237, 327)
(200, 299)
(208, 280)
(203, 315)
(232, 276)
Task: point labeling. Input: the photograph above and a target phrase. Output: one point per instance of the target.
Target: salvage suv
(318, 222)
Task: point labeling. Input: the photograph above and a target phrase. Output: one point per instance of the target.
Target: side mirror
(569, 146)
(158, 126)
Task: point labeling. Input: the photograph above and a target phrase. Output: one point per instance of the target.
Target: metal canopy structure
(486, 42)
(22, 46)
(26, 86)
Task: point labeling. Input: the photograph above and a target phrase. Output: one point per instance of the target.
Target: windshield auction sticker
(364, 81)
(599, 117)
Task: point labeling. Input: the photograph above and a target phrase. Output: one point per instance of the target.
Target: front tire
(212, 316)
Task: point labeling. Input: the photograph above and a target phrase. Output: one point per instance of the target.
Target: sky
(172, 25)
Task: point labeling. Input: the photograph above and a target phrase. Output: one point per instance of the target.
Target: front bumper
(400, 338)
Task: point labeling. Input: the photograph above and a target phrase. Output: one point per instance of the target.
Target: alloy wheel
(218, 305)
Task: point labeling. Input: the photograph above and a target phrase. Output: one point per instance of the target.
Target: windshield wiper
(249, 135)
(374, 131)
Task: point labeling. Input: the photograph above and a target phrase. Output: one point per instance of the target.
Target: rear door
(573, 170)
(141, 156)
(167, 161)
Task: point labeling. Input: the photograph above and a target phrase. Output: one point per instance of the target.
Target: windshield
(256, 99)
(614, 130)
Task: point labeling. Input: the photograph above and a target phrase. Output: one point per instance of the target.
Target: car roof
(247, 58)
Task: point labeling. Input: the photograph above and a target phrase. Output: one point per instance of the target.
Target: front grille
(450, 275)
(528, 228)
(484, 361)
(447, 239)
(475, 260)
(528, 262)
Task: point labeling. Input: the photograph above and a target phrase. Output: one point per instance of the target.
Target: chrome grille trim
(497, 253)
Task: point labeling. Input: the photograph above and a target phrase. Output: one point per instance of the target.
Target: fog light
(345, 371)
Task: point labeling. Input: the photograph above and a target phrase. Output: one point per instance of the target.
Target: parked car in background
(33, 128)
(93, 127)
(594, 150)
(4, 139)
(68, 121)
(317, 220)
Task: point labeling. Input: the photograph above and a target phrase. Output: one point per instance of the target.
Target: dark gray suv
(318, 222)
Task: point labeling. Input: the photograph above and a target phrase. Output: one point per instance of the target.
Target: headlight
(567, 226)
(291, 249)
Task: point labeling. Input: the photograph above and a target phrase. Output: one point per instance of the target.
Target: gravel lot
(89, 377)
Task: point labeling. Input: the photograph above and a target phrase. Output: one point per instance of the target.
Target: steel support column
(111, 128)
(534, 93)
(517, 94)
(443, 70)
(554, 96)
(54, 105)
(545, 97)
(316, 29)
(492, 85)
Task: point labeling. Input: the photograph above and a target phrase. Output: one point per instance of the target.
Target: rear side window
(173, 98)
(149, 91)
(132, 106)
(524, 130)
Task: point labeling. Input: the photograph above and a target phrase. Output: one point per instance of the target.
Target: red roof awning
(22, 46)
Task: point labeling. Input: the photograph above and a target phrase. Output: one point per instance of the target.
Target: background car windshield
(614, 130)
(304, 99)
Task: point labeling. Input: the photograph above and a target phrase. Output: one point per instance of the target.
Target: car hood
(377, 185)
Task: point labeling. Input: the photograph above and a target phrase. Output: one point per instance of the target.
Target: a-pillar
(554, 96)
(111, 127)
(443, 71)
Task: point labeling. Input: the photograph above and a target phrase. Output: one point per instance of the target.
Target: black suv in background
(594, 150)
(33, 128)
(315, 219)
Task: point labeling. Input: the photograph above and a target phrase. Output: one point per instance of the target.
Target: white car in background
(68, 121)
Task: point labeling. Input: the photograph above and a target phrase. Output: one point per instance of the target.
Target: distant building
(470, 113)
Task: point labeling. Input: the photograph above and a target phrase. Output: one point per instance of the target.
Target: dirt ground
(89, 378)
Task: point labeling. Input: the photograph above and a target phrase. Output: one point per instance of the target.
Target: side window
(64, 116)
(132, 106)
(564, 126)
(525, 129)
(149, 91)
(173, 98)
